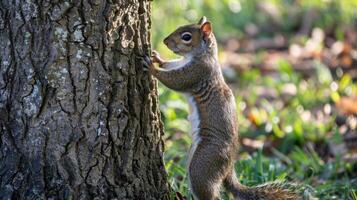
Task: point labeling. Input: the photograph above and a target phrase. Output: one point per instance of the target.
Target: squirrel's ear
(206, 29)
(202, 20)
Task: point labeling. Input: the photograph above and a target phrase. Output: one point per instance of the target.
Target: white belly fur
(194, 119)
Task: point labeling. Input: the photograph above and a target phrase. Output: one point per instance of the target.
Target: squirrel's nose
(166, 41)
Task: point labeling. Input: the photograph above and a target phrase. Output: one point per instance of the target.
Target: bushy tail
(267, 191)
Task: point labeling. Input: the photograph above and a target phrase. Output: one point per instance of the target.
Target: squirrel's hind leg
(206, 172)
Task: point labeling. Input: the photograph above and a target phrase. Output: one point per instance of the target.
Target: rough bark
(79, 117)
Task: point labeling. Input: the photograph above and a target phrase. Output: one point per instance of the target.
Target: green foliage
(231, 17)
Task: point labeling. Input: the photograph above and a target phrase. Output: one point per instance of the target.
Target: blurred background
(292, 65)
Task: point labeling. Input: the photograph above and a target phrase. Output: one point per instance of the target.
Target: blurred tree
(79, 118)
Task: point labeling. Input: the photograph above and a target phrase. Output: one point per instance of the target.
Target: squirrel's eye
(186, 37)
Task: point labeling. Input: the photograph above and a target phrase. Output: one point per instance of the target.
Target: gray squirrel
(212, 114)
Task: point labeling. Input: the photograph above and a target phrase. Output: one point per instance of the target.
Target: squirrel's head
(192, 38)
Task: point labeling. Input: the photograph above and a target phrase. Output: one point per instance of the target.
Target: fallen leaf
(347, 105)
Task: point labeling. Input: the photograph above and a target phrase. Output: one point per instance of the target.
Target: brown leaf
(346, 60)
(347, 105)
(179, 196)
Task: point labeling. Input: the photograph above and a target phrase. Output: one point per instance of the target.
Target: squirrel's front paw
(156, 58)
(148, 64)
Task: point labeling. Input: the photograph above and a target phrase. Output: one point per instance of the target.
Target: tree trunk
(79, 117)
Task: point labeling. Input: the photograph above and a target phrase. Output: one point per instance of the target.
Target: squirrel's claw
(146, 62)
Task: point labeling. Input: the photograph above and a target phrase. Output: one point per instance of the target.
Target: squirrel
(213, 115)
